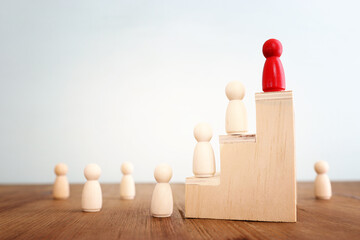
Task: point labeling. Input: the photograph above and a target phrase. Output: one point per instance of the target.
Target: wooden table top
(29, 212)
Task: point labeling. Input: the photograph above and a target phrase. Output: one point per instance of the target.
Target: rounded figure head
(92, 172)
(61, 169)
(127, 168)
(203, 132)
(272, 48)
(321, 167)
(235, 90)
(163, 173)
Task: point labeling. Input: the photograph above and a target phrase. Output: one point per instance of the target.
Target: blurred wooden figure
(162, 199)
(61, 188)
(91, 200)
(322, 181)
(236, 116)
(203, 159)
(127, 185)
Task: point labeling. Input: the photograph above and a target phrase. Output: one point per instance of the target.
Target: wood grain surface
(29, 212)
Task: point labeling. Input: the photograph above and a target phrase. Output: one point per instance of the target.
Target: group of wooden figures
(236, 120)
(91, 200)
(235, 123)
(203, 158)
(162, 199)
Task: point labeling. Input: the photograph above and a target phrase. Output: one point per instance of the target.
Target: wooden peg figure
(236, 116)
(127, 185)
(61, 188)
(162, 199)
(91, 200)
(322, 181)
(273, 79)
(204, 158)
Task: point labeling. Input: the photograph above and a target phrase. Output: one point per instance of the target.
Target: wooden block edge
(215, 180)
(237, 138)
(273, 95)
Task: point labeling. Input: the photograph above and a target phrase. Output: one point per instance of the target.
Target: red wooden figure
(273, 79)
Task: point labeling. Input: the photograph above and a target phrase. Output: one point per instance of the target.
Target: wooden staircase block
(257, 180)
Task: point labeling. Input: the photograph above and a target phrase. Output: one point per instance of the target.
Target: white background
(113, 81)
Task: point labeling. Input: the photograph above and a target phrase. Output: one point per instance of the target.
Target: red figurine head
(272, 48)
(273, 74)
